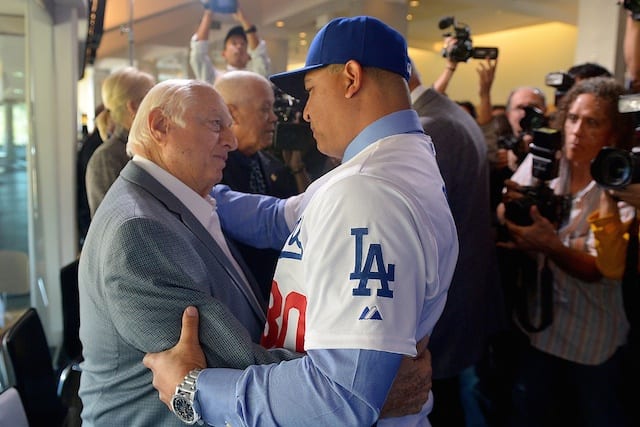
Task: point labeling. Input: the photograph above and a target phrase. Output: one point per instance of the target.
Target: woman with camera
(569, 372)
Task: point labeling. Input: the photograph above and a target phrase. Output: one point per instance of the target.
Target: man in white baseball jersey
(364, 274)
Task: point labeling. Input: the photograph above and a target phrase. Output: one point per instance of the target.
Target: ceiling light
(279, 24)
(409, 17)
(414, 3)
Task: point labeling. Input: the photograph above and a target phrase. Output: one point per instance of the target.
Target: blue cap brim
(292, 82)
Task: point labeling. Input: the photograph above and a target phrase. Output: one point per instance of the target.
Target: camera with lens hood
(616, 168)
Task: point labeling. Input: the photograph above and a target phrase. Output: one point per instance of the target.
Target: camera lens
(533, 119)
(612, 167)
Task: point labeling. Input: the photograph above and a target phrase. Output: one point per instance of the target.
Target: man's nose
(229, 139)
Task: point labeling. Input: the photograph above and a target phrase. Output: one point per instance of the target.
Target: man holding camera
(571, 368)
(243, 49)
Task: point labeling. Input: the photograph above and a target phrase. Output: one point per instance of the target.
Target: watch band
(251, 29)
(183, 401)
(188, 384)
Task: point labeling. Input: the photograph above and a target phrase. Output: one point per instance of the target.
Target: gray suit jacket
(474, 301)
(145, 259)
(104, 166)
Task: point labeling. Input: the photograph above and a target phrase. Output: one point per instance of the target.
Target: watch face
(183, 409)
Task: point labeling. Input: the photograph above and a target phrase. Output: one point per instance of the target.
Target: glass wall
(14, 143)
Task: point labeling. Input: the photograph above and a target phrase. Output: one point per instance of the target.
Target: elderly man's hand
(169, 367)
(410, 389)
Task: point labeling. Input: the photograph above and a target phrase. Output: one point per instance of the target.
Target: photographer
(243, 49)
(571, 369)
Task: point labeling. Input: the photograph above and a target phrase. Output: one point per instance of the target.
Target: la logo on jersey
(287, 314)
(293, 247)
(365, 273)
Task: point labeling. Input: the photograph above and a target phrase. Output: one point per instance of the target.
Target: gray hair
(534, 89)
(236, 86)
(174, 98)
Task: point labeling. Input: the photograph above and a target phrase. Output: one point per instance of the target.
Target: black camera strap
(526, 287)
(630, 285)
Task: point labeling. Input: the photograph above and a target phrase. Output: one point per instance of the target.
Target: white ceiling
(164, 27)
(170, 23)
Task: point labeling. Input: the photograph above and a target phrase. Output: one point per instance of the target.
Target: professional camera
(616, 168)
(533, 119)
(545, 150)
(559, 80)
(562, 82)
(292, 133)
(463, 48)
(634, 7)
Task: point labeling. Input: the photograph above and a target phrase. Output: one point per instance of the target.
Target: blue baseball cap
(365, 39)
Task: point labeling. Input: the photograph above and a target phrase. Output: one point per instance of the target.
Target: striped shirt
(589, 323)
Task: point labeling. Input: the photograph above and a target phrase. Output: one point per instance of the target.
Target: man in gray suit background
(154, 247)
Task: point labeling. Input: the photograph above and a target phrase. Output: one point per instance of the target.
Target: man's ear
(158, 125)
(235, 113)
(353, 72)
(223, 53)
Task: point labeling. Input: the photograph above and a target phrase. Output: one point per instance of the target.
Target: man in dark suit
(250, 169)
(154, 247)
(474, 300)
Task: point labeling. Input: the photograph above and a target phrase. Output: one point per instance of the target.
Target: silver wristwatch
(183, 402)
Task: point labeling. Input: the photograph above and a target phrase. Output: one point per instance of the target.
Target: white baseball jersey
(371, 257)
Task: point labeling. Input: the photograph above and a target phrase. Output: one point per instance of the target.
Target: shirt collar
(200, 207)
(404, 121)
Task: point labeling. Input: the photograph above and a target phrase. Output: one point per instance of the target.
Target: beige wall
(526, 56)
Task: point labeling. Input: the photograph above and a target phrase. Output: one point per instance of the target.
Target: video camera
(545, 151)
(292, 133)
(463, 48)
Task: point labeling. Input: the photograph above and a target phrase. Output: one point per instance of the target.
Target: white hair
(173, 97)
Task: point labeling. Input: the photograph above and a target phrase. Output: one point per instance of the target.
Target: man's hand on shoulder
(169, 367)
